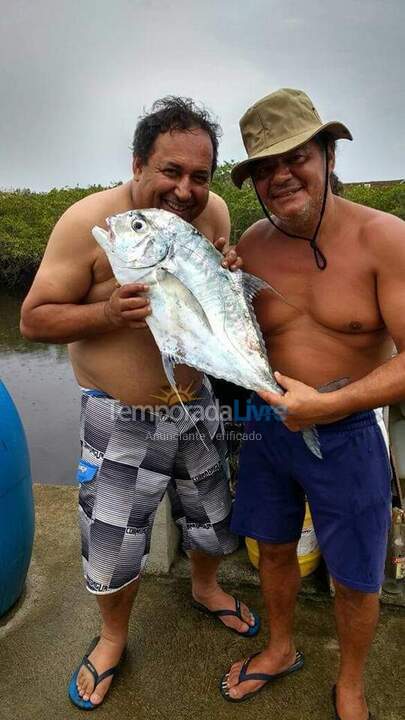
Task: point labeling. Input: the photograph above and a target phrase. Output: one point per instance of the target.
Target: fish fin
(187, 297)
(311, 439)
(252, 285)
(169, 361)
(102, 237)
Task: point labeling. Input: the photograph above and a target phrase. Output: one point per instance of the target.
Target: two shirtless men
(339, 267)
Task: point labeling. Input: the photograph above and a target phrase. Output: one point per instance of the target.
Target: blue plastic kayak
(16, 504)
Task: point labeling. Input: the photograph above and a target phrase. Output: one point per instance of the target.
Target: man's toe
(243, 626)
(236, 691)
(95, 699)
(81, 688)
(100, 692)
(232, 677)
(247, 615)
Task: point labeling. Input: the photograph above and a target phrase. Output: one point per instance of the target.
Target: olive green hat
(279, 123)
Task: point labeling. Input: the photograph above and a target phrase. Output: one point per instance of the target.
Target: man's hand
(301, 406)
(126, 307)
(231, 258)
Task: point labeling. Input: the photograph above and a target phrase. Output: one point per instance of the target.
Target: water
(43, 387)
(41, 382)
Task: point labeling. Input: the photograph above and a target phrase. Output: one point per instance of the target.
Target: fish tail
(174, 387)
(311, 439)
(190, 418)
(168, 363)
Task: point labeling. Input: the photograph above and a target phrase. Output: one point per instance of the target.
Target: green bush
(26, 221)
(389, 198)
(27, 218)
(243, 205)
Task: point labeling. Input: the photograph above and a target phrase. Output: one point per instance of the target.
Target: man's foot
(104, 656)
(272, 664)
(350, 703)
(219, 600)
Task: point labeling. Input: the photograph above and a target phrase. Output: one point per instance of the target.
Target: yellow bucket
(308, 551)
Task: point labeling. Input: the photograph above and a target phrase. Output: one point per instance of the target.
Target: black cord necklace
(320, 258)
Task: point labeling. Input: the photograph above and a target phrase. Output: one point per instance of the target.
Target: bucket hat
(278, 123)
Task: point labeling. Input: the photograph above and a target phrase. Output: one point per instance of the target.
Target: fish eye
(137, 225)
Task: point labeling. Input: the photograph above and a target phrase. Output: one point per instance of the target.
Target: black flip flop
(251, 632)
(337, 716)
(73, 692)
(243, 676)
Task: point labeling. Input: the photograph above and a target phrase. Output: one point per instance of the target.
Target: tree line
(27, 218)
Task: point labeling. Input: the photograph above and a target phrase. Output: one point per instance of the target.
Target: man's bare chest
(341, 299)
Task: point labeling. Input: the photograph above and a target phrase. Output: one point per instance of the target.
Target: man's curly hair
(173, 113)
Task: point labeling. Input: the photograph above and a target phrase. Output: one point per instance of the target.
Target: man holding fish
(340, 268)
(125, 468)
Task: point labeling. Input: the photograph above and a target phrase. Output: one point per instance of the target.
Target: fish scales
(220, 294)
(202, 314)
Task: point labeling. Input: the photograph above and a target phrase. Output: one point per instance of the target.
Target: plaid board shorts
(129, 458)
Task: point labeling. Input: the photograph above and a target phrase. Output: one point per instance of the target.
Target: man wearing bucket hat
(340, 268)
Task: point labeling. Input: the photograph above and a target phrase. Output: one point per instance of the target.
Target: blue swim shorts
(348, 491)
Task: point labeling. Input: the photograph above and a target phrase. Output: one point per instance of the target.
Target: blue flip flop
(251, 632)
(243, 676)
(73, 692)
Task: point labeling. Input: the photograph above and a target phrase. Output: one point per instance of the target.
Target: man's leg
(356, 620)
(352, 535)
(280, 582)
(111, 548)
(201, 461)
(207, 591)
(115, 609)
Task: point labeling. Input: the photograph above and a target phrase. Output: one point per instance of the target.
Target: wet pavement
(176, 655)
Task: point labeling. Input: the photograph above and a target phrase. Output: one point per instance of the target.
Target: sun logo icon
(170, 397)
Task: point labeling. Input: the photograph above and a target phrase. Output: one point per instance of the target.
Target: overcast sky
(76, 74)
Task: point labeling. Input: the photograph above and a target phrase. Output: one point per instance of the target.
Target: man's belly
(127, 365)
(320, 358)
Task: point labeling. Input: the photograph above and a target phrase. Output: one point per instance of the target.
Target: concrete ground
(176, 656)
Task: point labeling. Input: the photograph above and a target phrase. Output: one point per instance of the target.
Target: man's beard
(305, 220)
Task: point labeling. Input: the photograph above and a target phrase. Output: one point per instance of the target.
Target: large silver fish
(202, 314)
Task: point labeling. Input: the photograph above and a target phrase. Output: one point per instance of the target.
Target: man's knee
(354, 598)
(119, 598)
(278, 555)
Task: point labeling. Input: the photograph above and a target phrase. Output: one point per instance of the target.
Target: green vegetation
(243, 205)
(26, 221)
(27, 218)
(245, 209)
(389, 198)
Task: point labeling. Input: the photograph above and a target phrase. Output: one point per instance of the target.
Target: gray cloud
(76, 75)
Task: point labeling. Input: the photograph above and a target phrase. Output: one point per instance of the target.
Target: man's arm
(54, 311)
(386, 384)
